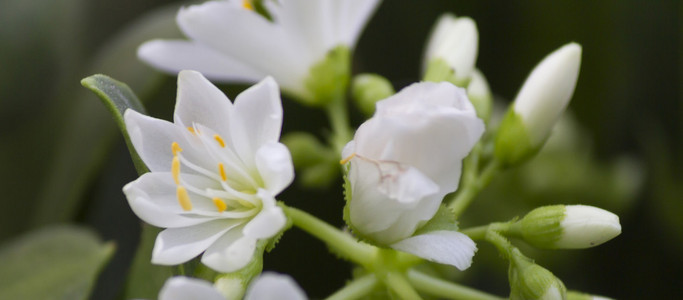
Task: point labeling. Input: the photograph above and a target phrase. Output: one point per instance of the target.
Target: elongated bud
(452, 50)
(531, 281)
(479, 93)
(573, 295)
(367, 89)
(539, 104)
(569, 227)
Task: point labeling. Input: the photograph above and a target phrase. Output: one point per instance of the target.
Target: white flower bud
(573, 295)
(539, 104)
(480, 95)
(455, 42)
(569, 227)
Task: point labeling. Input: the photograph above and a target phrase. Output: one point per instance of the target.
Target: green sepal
(329, 78)
(367, 89)
(243, 276)
(513, 144)
(529, 280)
(57, 262)
(117, 97)
(442, 220)
(541, 226)
(438, 70)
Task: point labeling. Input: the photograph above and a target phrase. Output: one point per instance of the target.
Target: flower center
(225, 199)
(247, 4)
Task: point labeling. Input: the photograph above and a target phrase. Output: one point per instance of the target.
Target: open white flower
(268, 286)
(229, 41)
(214, 173)
(404, 160)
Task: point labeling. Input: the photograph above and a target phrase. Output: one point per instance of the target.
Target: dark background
(62, 159)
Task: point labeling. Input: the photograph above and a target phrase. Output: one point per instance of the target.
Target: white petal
(357, 14)
(177, 245)
(186, 288)
(257, 118)
(199, 101)
(231, 252)
(152, 197)
(445, 247)
(273, 286)
(172, 56)
(389, 201)
(268, 222)
(274, 163)
(152, 139)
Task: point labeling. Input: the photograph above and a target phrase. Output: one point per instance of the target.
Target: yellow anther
(247, 4)
(183, 198)
(220, 204)
(221, 169)
(175, 169)
(191, 129)
(219, 139)
(345, 160)
(175, 148)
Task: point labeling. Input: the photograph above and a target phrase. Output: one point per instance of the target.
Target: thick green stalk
(472, 187)
(355, 289)
(445, 289)
(342, 243)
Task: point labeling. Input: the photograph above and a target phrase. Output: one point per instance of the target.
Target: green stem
(479, 232)
(342, 243)
(502, 244)
(398, 283)
(467, 193)
(355, 289)
(338, 114)
(445, 289)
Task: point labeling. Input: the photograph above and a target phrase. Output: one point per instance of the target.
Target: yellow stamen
(175, 169)
(247, 5)
(219, 139)
(221, 169)
(345, 160)
(220, 204)
(183, 198)
(191, 129)
(175, 148)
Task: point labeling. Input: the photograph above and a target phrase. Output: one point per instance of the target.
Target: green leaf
(118, 97)
(59, 262)
(145, 279)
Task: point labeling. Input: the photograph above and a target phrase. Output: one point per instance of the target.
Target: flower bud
(569, 227)
(573, 295)
(367, 89)
(451, 50)
(531, 281)
(538, 106)
(480, 95)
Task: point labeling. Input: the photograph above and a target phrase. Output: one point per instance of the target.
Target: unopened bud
(569, 227)
(573, 295)
(539, 104)
(479, 93)
(531, 281)
(452, 50)
(367, 89)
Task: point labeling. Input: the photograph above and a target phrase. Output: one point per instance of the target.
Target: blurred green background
(63, 160)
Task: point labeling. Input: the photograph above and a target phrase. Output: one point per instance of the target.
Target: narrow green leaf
(117, 97)
(59, 262)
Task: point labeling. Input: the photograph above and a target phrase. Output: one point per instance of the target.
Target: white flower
(546, 92)
(229, 41)
(268, 286)
(404, 160)
(456, 41)
(214, 173)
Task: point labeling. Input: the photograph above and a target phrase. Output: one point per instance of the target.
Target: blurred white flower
(404, 160)
(214, 173)
(229, 41)
(268, 286)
